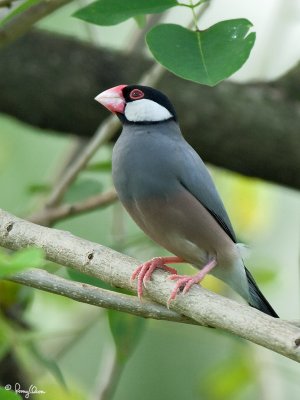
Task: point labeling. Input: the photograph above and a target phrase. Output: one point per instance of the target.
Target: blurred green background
(162, 360)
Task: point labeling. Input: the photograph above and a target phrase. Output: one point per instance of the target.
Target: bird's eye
(136, 94)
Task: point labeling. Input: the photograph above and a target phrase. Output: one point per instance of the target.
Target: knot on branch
(9, 228)
(90, 256)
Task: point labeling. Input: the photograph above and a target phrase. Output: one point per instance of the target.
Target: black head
(137, 104)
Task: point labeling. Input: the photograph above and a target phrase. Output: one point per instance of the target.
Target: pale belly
(184, 227)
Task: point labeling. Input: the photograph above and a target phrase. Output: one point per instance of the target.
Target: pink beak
(112, 99)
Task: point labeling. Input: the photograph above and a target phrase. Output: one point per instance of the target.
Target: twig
(22, 22)
(48, 216)
(114, 268)
(6, 3)
(43, 280)
(103, 134)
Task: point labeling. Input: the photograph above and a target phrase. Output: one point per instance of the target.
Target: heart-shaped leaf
(112, 12)
(205, 57)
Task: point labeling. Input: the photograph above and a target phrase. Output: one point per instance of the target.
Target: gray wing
(194, 176)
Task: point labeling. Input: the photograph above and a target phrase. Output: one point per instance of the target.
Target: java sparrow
(166, 188)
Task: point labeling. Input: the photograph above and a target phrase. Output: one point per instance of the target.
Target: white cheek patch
(146, 110)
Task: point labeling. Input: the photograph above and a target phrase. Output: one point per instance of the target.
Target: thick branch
(252, 129)
(115, 268)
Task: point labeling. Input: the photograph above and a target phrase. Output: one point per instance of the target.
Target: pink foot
(185, 282)
(145, 270)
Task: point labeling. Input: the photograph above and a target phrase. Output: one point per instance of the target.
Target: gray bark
(50, 82)
(204, 307)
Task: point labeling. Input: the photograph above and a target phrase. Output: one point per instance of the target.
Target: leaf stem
(195, 19)
(193, 5)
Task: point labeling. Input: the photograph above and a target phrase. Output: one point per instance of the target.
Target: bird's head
(137, 104)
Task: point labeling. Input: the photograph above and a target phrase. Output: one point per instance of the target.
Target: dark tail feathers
(258, 300)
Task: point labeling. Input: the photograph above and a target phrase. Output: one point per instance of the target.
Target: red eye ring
(136, 94)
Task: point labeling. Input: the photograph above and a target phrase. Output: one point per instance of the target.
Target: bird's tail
(257, 299)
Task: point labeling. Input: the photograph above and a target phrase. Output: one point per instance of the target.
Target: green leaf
(7, 393)
(102, 166)
(10, 264)
(126, 330)
(205, 57)
(37, 188)
(82, 189)
(18, 10)
(112, 12)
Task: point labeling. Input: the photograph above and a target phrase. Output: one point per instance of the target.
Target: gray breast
(142, 166)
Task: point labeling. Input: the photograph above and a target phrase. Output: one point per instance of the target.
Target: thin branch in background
(115, 269)
(22, 22)
(107, 129)
(48, 216)
(75, 145)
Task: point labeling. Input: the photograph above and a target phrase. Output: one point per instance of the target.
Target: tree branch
(84, 293)
(48, 216)
(105, 132)
(6, 3)
(112, 267)
(22, 22)
(252, 129)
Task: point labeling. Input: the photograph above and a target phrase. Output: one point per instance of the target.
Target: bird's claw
(144, 272)
(183, 284)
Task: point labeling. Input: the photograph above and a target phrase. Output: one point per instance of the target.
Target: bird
(166, 188)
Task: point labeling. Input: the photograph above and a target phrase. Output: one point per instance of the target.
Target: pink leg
(185, 282)
(145, 271)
